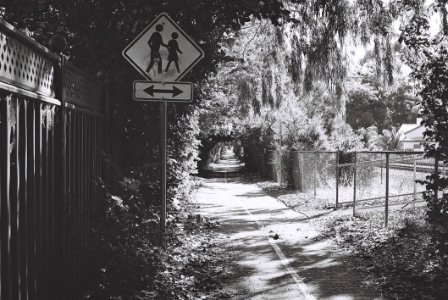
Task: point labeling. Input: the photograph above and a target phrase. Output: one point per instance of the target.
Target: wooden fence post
(60, 264)
(5, 205)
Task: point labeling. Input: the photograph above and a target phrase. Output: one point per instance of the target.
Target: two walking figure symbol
(155, 41)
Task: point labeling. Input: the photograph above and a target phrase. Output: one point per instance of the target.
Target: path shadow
(314, 259)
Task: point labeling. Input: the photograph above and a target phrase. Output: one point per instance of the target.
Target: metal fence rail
(51, 131)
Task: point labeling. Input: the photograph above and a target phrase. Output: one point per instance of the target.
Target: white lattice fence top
(26, 64)
(23, 66)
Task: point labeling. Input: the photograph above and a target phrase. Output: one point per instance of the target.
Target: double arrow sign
(181, 50)
(156, 91)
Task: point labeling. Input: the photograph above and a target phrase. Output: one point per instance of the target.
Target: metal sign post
(163, 121)
(163, 53)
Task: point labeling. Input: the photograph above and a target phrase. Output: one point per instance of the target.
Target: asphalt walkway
(278, 253)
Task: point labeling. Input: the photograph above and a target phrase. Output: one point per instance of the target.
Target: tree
(98, 30)
(428, 57)
(371, 101)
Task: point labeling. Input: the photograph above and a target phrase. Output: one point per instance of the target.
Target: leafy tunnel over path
(269, 64)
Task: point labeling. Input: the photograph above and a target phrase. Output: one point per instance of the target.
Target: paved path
(297, 265)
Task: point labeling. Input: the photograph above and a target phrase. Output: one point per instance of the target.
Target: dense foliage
(402, 258)
(367, 107)
(126, 259)
(295, 84)
(277, 84)
(98, 30)
(429, 61)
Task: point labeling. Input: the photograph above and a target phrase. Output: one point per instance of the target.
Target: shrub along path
(276, 253)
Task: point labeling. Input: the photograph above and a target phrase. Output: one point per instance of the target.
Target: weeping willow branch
(253, 37)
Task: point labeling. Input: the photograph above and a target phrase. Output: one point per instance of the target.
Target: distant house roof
(407, 128)
(412, 133)
(413, 129)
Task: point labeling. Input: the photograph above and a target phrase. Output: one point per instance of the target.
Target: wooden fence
(51, 137)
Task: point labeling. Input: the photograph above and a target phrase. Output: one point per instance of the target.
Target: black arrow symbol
(151, 90)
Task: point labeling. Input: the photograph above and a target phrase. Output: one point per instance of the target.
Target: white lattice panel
(25, 67)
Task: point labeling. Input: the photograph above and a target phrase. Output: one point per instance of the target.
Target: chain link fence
(388, 180)
(361, 180)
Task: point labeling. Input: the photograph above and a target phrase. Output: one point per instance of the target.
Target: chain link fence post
(381, 163)
(386, 209)
(314, 173)
(354, 184)
(337, 179)
(415, 180)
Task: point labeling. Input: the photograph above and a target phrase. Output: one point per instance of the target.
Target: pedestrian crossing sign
(163, 51)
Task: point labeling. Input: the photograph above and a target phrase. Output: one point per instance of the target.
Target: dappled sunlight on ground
(277, 253)
(227, 164)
